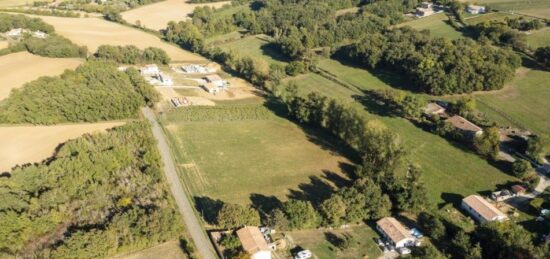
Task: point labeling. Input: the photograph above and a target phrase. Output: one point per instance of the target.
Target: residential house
(216, 80)
(475, 9)
(433, 109)
(501, 195)
(39, 34)
(253, 242)
(151, 69)
(481, 210)
(395, 233)
(467, 128)
(425, 9)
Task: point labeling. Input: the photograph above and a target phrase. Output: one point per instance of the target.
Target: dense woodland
(95, 91)
(130, 54)
(97, 196)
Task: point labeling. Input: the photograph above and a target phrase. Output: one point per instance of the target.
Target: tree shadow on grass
(208, 208)
(265, 204)
(316, 191)
(453, 198)
(273, 51)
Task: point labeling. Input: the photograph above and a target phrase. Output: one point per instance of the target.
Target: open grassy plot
(449, 171)
(11, 3)
(436, 24)
(32, 144)
(257, 46)
(540, 38)
(19, 68)
(363, 245)
(475, 19)
(257, 154)
(524, 103)
(168, 250)
(538, 8)
(156, 16)
(93, 32)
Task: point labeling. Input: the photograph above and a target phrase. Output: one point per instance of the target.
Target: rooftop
(393, 229)
(252, 240)
(463, 124)
(212, 78)
(483, 207)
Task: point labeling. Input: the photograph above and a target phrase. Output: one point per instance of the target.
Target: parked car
(404, 251)
(304, 254)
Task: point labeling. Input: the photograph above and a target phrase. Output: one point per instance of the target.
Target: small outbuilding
(518, 189)
(395, 233)
(17, 32)
(481, 210)
(501, 195)
(151, 69)
(433, 108)
(475, 9)
(253, 242)
(467, 128)
(215, 79)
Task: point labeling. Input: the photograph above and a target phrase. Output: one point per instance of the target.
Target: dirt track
(30, 144)
(19, 68)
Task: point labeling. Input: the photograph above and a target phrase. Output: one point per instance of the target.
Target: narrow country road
(192, 223)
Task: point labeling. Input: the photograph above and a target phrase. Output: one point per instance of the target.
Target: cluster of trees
(44, 12)
(404, 104)
(53, 45)
(102, 6)
(523, 24)
(95, 91)
(499, 33)
(210, 22)
(97, 196)
(542, 55)
(131, 54)
(10, 21)
(436, 65)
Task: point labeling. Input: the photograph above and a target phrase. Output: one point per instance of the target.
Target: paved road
(192, 223)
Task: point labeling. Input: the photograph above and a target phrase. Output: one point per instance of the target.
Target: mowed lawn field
(449, 170)
(232, 160)
(32, 144)
(539, 38)
(157, 15)
(436, 24)
(19, 68)
(93, 32)
(256, 46)
(538, 8)
(523, 103)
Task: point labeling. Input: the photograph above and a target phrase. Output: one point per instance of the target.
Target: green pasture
(257, 46)
(437, 24)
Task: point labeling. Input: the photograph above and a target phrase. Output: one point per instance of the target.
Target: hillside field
(157, 15)
(256, 46)
(539, 38)
(19, 68)
(32, 144)
(232, 160)
(436, 24)
(93, 32)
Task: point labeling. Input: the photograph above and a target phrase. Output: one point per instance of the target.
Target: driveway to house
(192, 223)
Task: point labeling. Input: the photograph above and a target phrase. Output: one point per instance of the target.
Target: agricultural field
(236, 151)
(475, 19)
(3, 44)
(19, 68)
(156, 16)
(538, 8)
(32, 144)
(524, 103)
(93, 32)
(363, 245)
(11, 3)
(540, 38)
(450, 171)
(436, 24)
(168, 250)
(256, 46)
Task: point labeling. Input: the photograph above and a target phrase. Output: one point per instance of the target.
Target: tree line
(99, 195)
(95, 91)
(131, 54)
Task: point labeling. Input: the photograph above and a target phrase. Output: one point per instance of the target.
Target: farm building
(151, 69)
(467, 128)
(253, 243)
(211, 88)
(395, 233)
(197, 69)
(433, 109)
(17, 32)
(216, 80)
(475, 9)
(481, 210)
(39, 34)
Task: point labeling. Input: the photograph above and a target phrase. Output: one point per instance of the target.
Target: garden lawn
(363, 245)
(233, 159)
(450, 171)
(523, 103)
(257, 46)
(436, 24)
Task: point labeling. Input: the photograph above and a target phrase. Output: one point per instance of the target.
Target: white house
(197, 69)
(151, 69)
(163, 79)
(216, 80)
(395, 233)
(253, 243)
(39, 34)
(425, 9)
(481, 210)
(17, 32)
(475, 9)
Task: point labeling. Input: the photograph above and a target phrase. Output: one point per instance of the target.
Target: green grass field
(540, 38)
(449, 170)
(316, 241)
(475, 19)
(256, 47)
(266, 155)
(524, 103)
(436, 24)
(538, 8)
